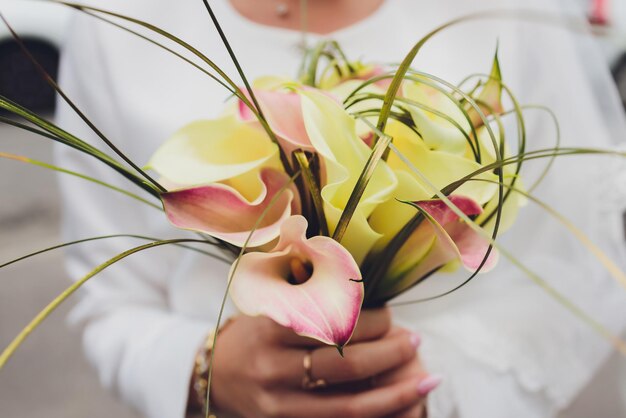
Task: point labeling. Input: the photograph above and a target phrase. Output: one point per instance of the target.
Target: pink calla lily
(283, 110)
(441, 239)
(222, 212)
(312, 286)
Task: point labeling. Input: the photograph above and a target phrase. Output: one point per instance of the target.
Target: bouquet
(335, 191)
(327, 219)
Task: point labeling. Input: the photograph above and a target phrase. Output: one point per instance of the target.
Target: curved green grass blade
(8, 352)
(359, 188)
(236, 90)
(160, 45)
(52, 83)
(53, 132)
(79, 175)
(80, 241)
(233, 270)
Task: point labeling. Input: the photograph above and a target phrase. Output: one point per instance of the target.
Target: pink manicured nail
(416, 340)
(428, 384)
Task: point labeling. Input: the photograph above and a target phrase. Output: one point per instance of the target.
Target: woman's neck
(322, 16)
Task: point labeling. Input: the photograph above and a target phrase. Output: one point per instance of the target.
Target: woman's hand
(258, 372)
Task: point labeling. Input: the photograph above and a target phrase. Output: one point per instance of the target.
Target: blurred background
(49, 376)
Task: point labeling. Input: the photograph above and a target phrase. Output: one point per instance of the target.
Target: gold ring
(308, 381)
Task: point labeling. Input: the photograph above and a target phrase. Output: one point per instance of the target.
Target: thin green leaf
(68, 244)
(57, 134)
(21, 337)
(233, 270)
(237, 91)
(360, 186)
(79, 175)
(52, 83)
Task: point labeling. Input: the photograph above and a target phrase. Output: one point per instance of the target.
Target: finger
(364, 360)
(360, 361)
(414, 369)
(375, 403)
(373, 324)
(416, 411)
(395, 330)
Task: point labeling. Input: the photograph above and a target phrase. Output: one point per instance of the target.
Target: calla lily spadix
(312, 286)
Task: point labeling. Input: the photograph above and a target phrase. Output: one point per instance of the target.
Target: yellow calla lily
(437, 132)
(224, 150)
(333, 134)
(225, 174)
(441, 168)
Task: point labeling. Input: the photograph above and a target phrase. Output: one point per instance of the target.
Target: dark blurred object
(619, 74)
(20, 81)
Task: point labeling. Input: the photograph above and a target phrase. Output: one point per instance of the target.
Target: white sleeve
(142, 347)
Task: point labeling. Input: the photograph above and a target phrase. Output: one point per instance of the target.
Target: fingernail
(428, 384)
(416, 340)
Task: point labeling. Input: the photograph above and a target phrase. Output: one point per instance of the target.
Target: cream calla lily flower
(437, 132)
(333, 134)
(226, 174)
(219, 150)
(441, 168)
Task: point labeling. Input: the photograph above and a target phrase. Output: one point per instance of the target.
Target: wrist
(199, 383)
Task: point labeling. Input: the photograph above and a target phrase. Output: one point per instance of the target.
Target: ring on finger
(308, 381)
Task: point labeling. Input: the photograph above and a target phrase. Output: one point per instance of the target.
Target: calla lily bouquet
(329, 221)
(332, 192)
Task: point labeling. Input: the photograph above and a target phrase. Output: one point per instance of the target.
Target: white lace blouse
(504, 347)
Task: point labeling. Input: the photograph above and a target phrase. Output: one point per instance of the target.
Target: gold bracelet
(202, 365)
